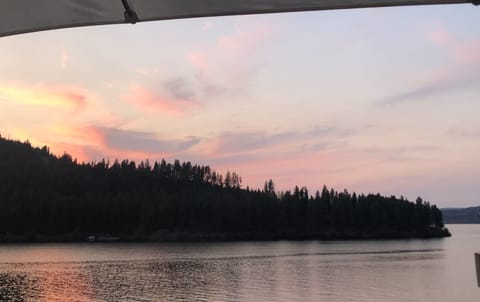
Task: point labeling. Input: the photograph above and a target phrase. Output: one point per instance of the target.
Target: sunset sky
(372, 100)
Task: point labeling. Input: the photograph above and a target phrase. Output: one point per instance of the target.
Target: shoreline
(186, 236)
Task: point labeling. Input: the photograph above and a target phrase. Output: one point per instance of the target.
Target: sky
(370, 100)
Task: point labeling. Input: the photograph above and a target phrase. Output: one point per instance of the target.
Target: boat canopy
(22, 16)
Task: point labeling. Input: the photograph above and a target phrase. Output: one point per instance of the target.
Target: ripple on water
(277, 271)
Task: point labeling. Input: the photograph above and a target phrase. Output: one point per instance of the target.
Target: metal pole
(130, 14)
(477, 265)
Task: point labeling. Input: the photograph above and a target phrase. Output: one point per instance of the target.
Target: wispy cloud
(409, 153)
(130, 140)
(208, 26)
(244, 41)
(169, 103)
(64, 58)
(318, 138)
(446, 84)
(146, 71)
(462, 71)
(44, 95)
(230, 63)
(471, 133)
(180, 88)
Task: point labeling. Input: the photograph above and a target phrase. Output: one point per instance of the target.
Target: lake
(387, 270)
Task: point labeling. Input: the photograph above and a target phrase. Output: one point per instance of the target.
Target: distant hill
(461, 215)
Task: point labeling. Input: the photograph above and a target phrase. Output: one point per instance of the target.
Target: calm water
(409, 270)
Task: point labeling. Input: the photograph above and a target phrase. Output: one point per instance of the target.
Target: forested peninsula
(44, 197)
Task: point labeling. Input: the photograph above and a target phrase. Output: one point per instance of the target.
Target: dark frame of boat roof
(23, 16)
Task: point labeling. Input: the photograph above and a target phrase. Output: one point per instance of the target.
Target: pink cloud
(439, 37)
(286, 169)
(200, 61)
(149, 100)
(244, 41)
(230, 63)
(340, 167)
(464, 51)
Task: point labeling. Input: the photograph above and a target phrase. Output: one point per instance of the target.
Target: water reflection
(275, 271)
(15, 286)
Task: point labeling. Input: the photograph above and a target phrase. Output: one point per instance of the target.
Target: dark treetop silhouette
(49, 198)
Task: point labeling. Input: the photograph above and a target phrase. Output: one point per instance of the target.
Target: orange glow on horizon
(79, 140)
(43, 95)
(82, 135)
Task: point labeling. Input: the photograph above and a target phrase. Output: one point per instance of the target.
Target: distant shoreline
(470, 215)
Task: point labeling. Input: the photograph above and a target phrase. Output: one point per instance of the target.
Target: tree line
(45, 196)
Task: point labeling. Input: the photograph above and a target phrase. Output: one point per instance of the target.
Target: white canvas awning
(21, 16)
